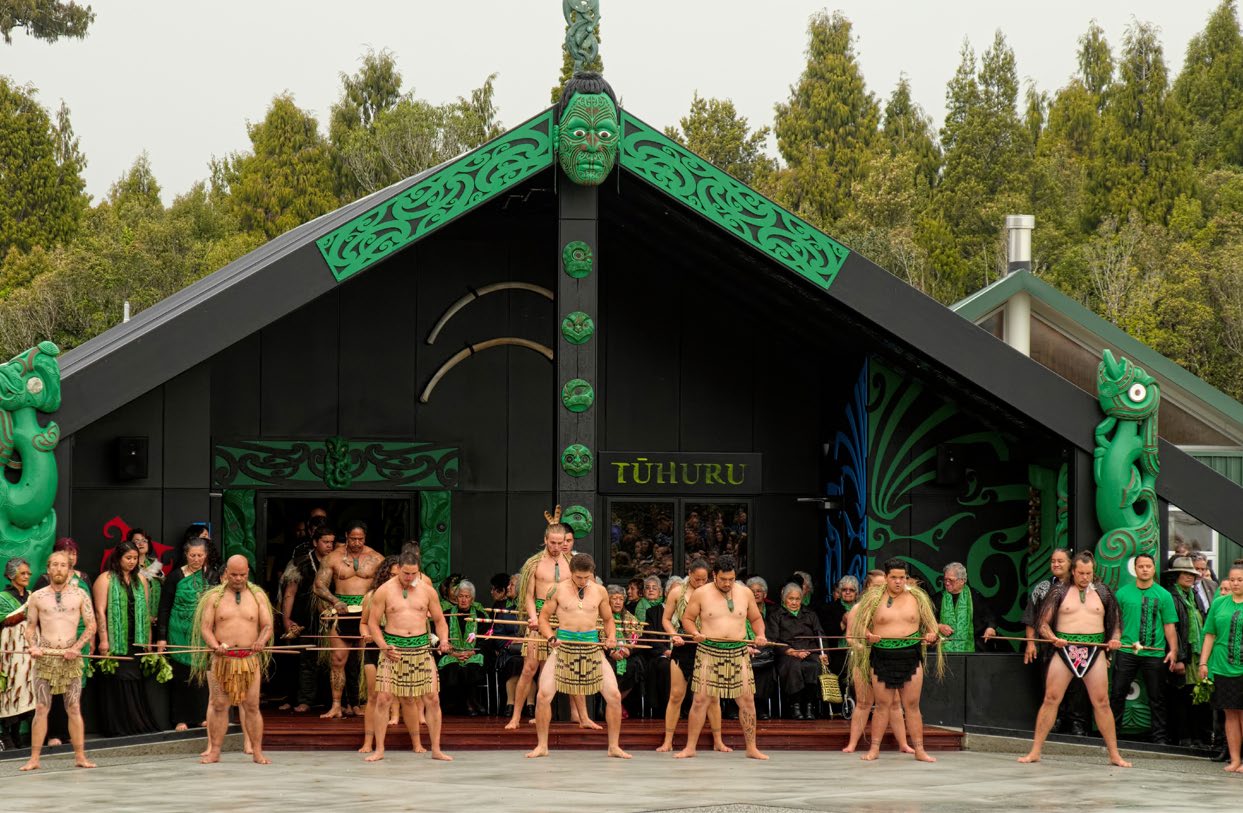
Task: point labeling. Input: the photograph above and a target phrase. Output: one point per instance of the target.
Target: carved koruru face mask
(576, 460)
(577, 327)
(576, 257)
(587, 138)
(577, 395)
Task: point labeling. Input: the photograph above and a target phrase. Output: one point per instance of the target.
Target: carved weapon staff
(620, 644)
(50, 655)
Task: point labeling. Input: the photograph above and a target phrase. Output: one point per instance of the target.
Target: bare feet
(82, 762)
(1117, 759)
(209, 757)
(754, 753)
(333, 712)
(589, 724)
(719, 745)
(906, 749)
(376, 757)
(301, 708)
(537, 753)
(665, 746)
(443, 757)
(181, 727)
(418, 748)
(685, 753)
(513, 723)
(1237, 769)
(1231, 768)
(616, 751)
(260, 759)
(247, 748)
(1033, 756)
(283, 707)
(54, 741)
(849, 749)
(871, 755)
(33, 765)
(922, 756)
(394, 720)
(366, 749)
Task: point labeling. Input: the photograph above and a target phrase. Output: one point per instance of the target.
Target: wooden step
(284, 731)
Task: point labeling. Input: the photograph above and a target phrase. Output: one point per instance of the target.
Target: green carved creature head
(1126, 391)
(577, 395)
(576, 259)
(577, 327)
(576, 460)
(31, 379)
(578, 517)
(588, 129)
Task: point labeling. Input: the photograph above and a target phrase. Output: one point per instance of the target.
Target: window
(655, 537)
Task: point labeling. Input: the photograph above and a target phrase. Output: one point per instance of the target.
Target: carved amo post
(29, 384)
(587, 135)
(1125, 467)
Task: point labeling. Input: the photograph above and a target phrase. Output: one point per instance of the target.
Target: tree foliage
(47, 20)
(41, 186)
(713, 130)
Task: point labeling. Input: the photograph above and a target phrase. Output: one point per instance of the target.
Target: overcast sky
(181, 79)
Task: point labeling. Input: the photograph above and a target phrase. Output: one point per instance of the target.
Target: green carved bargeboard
(29, 384)
(459, 187)
(1125, 468)
(729, 203)
(336, 463)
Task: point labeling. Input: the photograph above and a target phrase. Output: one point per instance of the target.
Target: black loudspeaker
(131, 458)
(951, 464)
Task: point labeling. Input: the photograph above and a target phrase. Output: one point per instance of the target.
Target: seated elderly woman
(763, 661)
(629, 670)
(833, 619)
(799, 666)
(461, 670)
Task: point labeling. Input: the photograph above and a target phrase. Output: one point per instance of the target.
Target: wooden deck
(284, 731)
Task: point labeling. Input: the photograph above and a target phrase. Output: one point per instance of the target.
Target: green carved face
(31, 379)
(576, 460)
(579, 520)
(1125, 390)
(577, 395)
(587, 138)
(577, 327)
(576, 258)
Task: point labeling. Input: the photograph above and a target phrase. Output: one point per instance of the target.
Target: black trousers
(187, 699)
(308, 678)
(1152, 671)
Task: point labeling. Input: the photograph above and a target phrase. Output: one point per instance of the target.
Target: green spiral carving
(577, 395)
(576, 259)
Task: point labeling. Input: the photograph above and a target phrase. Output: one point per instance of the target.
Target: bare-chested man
(344, 576)
(1075, 616)
(576, 664)
(897, 622)
(719, 612)
(863, 683)
(236, 625)
(406, 669)
(52, 639)
(539, 579)
(682, 656)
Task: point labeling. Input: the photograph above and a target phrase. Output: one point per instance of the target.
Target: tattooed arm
(323, 584)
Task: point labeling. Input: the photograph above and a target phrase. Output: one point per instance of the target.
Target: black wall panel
(182, 507)
(525, 529)
(299, 375)
(478, 547)
(93, 508)
(94, 451)
(378, 345)
(789, 409)
(235, 376)
(187, 429)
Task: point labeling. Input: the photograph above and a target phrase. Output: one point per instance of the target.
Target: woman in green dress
(461, 671)
(186, 584)
(151, 568)
(120, 595)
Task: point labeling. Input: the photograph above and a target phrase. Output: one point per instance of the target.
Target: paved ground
(504, 780)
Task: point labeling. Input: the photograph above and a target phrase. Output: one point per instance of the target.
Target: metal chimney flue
(1019, 242)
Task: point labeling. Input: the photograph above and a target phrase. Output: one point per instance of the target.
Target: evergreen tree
(137, 189)
(1210, 88)
(1096, 62)
(288, 179)
(908, 130)
(827, 127)
(374, 89)
(988, 155)
(714, 131)
(47, 20)
(1142, 160)
(41, 198)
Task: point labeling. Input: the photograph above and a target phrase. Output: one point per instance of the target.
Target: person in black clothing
(120, 595)
(966, 622)
(763, 661)
(798, 668)
(300, 609)
(197, 570)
